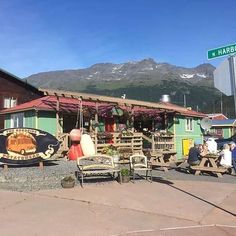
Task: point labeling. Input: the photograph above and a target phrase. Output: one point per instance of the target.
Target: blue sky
(46, 35)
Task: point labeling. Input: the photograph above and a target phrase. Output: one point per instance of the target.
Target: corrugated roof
(217, 116)
(126, 102)
(226, 122)
(49, 103)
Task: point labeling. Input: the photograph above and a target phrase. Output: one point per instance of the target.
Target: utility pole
(232, 77)
(221, 103)
(184, 100)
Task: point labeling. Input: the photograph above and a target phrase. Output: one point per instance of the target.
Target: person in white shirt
(226, 156)
(212, 145)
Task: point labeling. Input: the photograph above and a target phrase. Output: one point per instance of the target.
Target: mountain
(142, 80)
(146, 69)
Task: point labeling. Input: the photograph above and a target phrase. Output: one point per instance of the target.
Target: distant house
(217, 116)
(14, 91)
(223, 128)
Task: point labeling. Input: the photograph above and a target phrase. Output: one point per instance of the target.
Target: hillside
(142, 80)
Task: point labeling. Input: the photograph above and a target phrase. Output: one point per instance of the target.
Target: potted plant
(68, 182)
(125, 175)
(112, 151)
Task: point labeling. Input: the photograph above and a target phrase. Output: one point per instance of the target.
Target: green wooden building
(110, 120)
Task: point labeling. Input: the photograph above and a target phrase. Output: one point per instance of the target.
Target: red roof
(49, 103)
(184, 111)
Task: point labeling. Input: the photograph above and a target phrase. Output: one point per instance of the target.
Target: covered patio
(127, 124)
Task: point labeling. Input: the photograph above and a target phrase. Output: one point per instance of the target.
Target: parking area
(187, 205)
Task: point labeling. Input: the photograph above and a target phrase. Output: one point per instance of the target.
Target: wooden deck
(132, 142)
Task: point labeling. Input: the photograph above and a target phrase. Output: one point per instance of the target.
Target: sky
(48, 35)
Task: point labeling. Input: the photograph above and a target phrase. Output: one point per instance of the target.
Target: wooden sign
(26, 146)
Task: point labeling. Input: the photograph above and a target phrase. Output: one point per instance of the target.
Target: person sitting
(212, 145)
(194, 155)
(226, 156)
(233, 151)
(205, 150)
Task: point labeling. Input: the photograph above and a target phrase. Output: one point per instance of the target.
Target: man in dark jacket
(194, 156)
(233, 150)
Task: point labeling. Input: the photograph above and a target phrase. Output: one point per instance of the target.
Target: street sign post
(226, 71)
(222, 51)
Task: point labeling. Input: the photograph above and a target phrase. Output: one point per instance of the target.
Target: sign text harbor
(223, 51)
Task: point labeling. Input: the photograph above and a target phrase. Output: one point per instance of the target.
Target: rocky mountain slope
(146, 70)
(142, 80)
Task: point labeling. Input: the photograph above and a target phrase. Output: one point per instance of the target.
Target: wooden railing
(132, 141)
(162, 142)
(63, 138)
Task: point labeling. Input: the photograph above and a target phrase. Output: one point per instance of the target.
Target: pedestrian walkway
(163, 207)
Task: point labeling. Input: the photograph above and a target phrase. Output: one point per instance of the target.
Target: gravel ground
(32, 178)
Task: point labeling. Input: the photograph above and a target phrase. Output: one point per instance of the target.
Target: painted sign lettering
(26, 146)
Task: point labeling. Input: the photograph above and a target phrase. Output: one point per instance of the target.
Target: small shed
(223, 128)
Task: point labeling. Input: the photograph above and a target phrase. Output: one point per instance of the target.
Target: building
(217, 116)
(122, 122)
(14, 91)
(223, 128)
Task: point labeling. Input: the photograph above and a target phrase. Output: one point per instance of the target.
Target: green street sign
(220, 52)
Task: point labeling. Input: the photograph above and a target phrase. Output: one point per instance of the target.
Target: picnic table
(162, 159)
(209, 164)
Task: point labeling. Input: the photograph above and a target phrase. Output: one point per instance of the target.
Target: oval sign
(26, 146)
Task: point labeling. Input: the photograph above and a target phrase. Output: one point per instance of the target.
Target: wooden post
(132, 118)
(153, 143)
(165, 120)
(5, 167)
(36, 119)
(57, 116)
(96, 127)
(41, 165)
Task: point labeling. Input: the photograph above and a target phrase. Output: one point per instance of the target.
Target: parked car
(222, 141)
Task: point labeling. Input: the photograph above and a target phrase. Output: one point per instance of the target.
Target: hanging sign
(26, 146)
(115, 111)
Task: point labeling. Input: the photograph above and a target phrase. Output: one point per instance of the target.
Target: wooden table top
(211, 155)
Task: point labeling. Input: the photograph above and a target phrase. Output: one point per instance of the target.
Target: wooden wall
(13, 87)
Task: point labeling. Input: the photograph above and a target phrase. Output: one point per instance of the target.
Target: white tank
(165, 98)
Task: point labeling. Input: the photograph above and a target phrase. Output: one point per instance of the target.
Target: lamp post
(184, 94)
(184, 100)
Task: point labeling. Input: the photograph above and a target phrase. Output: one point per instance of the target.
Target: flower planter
(125, 179)
(68, 182)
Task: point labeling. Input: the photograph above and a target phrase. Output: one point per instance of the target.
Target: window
(219, 132)
(17, 120)
(189, 124)
(9, 102)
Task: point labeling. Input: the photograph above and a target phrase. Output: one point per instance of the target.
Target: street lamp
(186, 92)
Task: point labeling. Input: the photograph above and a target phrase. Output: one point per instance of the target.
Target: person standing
(233, 150)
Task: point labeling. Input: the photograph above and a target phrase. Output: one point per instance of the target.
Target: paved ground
(167, 206)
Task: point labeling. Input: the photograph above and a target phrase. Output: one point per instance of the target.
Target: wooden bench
(96, 165)
(208, 164)
(162, 159)
(211, 169)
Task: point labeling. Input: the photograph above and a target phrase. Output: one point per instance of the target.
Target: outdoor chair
(139, 163)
